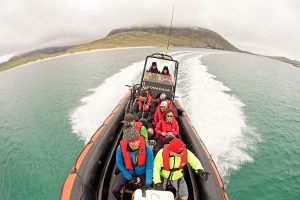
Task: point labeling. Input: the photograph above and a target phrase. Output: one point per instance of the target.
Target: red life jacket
(141, 158)
(166, 158)
(170, 104)
(158, 101)
(164, 126)
(148, 104)
(158, 116)
(138, 126)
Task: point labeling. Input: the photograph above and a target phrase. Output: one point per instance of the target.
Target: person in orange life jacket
(167, 126)
(130, 121)
(134, 158)
(153, 68)
(143, 109)
(169, 163)
(159, 113)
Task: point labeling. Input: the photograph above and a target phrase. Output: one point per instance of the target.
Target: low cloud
(267, 27)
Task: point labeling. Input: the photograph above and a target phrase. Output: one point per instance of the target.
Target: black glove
(145, 187)
(203, 174)
(136, 181)
(158, 186)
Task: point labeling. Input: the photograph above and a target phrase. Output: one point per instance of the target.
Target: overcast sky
(270, 27)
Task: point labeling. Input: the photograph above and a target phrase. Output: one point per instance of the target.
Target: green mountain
(135, 37)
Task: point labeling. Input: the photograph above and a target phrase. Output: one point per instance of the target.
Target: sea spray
(96, 107)
(216, 115)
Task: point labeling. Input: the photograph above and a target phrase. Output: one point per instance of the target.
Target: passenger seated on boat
(134, 158)
(153, 68)
(166, 77)
(130, 121)
(165, 71)
(167, 126)
(159, 112)
(163, 97)
(172, 107)
(169, 138)
(168, 165)
(143, 109)
(160, 97)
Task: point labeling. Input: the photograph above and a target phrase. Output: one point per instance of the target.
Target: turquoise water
(46, 109)
(37, 146)
(271, 91)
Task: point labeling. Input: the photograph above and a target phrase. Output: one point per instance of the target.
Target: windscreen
(159, 77)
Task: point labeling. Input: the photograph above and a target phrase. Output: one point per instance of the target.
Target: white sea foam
(216, 115)
(96, 107)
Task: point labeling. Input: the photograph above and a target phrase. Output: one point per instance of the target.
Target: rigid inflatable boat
(93, 173)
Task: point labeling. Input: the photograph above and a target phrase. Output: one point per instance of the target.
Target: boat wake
(217, 115)
(96, 107)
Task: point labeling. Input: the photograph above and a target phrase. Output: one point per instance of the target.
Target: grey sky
(269, 27)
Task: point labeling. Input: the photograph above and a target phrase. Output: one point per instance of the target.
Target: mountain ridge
(47, 50)
(194, 37)
(211, 38)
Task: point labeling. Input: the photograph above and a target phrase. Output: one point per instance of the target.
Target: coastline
(120, 48)
(75, 53)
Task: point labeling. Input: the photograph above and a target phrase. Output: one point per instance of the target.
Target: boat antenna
(170, 29)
